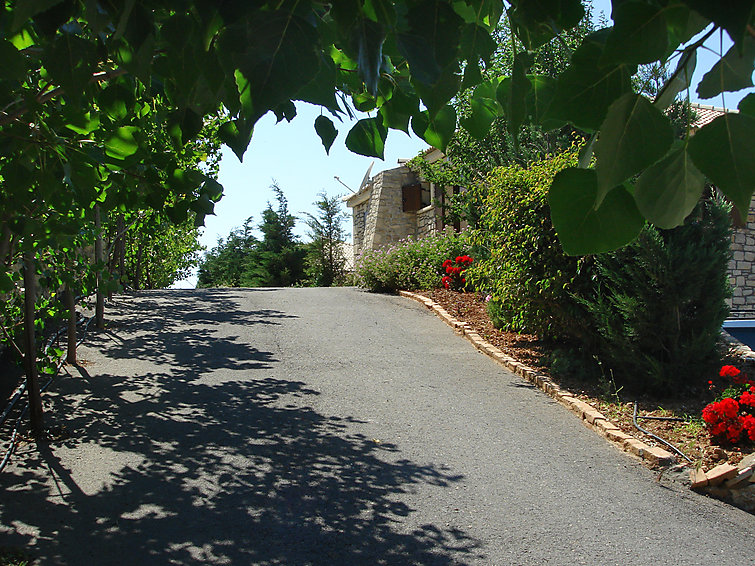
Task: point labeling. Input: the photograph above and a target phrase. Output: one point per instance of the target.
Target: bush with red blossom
(454, 278)
(730, 419)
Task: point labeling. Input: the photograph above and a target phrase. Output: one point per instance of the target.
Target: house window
(411, 197)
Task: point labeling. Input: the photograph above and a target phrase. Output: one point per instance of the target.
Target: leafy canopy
(79, 77)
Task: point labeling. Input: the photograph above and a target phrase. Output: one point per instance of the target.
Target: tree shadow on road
(180, 471)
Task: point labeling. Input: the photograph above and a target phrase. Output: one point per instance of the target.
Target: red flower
(446, 282)
(748, 423)
(729, 371)
(747, 399)
(723, 420)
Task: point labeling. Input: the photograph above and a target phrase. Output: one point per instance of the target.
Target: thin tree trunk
(70, 305)
(30, 348)
(121, 248)
(99, 312)
(138, 270)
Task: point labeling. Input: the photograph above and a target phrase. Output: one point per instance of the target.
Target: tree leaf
(682, 24)
(733, 16)
(367, 137)
(732, 72)
(539, 99)
(678, 81)
(122, 144)
(586, 89)
(27, 9)
(581, 228)
(431, 40)
(633, 136)
(327, 132)
(437, 95)
(484, 108)
(236, 134)
(724, 152)
(437, 130)
(370, 38)
(747, 105)
(472, 75)
(667, 192)
(639, 34)
(537, 23)
(276, 53)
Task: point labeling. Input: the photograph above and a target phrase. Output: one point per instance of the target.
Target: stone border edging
(590, 416)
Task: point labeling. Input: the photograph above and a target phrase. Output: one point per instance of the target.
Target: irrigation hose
(22, 387)
(658, 438)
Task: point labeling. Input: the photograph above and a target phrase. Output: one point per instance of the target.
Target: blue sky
(292, 154)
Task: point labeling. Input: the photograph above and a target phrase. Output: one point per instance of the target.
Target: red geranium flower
(747, 399)
(729, 371)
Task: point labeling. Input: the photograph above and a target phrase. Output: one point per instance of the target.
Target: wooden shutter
(411, 197)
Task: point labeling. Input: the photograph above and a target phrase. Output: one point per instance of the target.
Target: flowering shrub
(454, 278)
(409, 263)
(731, 417)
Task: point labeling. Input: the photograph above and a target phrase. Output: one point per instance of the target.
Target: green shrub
(658, 303)
(529, 277)
(410, 263)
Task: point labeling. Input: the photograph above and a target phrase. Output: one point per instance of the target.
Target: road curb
(653, 456)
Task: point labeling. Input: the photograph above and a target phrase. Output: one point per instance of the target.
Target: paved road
(333, 427)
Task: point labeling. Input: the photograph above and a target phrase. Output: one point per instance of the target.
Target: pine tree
(325, 258)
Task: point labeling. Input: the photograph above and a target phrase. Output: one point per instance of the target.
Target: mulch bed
(689, 436)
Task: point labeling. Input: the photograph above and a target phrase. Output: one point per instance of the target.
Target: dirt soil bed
(689, 435)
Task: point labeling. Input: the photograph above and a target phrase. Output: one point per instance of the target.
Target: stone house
(395, 204)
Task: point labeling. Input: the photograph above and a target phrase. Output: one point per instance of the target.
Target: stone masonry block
(618, 436)
(592, 414)
(698, 478)
(580, 407)
(604, 425)
(741, 479)
(658, 456)
(636, 447)
(721, 473)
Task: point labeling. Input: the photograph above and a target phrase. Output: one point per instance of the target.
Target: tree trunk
(121, 248)
(70, 305)
(99, 313)
(138, 270)
(30, 348)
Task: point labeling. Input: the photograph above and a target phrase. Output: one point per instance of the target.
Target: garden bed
(690, 436)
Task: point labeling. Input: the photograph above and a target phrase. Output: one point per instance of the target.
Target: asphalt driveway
(333, 427)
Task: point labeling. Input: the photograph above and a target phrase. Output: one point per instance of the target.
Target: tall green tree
(223, 265)
(326, 261)
(278, 259)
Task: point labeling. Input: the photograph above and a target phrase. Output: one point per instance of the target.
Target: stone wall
(359, 220)
(386, 220)
(741, 269)
(426, 221)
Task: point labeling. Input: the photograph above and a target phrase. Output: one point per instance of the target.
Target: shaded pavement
(329, 426)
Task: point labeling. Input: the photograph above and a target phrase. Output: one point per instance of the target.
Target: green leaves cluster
(640, 172)
(530, 279)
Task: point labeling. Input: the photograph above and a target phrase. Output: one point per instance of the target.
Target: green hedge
(530, 279)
